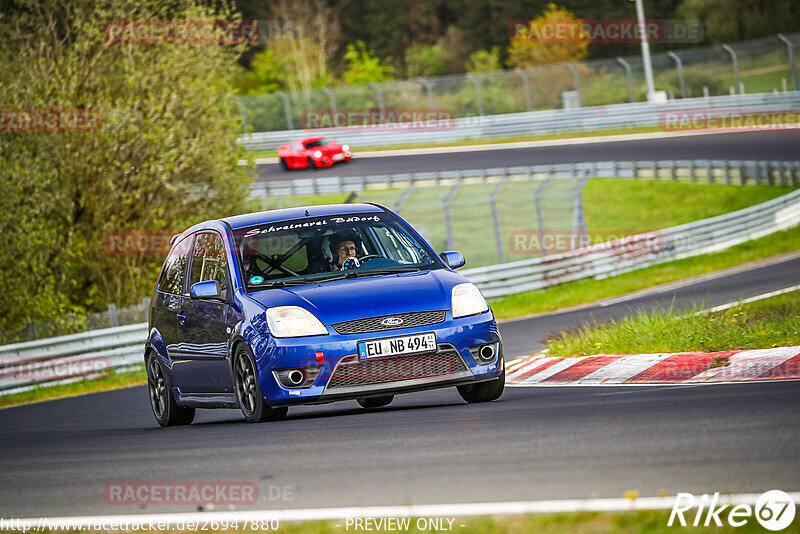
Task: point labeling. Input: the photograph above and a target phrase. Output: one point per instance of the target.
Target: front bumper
(451, 365)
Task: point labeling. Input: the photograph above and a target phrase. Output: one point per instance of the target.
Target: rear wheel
(284, 165)
(375, 402)
(165, 409)
(483, 391)
(251, 401)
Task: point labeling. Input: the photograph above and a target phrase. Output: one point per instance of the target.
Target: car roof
(311, 139)
(287, 214)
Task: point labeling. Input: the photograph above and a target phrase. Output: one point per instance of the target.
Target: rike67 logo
(774, 510)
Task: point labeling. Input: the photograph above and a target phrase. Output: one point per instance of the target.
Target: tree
(484, 60)
(363, 67)
(161, 158)
(530, 49)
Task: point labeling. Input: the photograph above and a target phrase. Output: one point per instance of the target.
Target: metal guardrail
(70, 358)
(738, 172)
(639, 114)
(623, 255)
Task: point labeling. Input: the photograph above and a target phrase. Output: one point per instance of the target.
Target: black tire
(166, 411)
(376, 402)
(483, 391)
(251, 401)
(312, 165)
(283, 164)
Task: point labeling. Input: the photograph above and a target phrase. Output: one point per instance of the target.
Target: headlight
(467, 300)
(317, 154)
(293, 321)
(345, 148)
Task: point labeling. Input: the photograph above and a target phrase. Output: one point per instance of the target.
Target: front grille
(354, 372)
(373, 324)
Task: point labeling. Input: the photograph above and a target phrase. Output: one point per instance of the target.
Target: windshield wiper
(386, 270)
(287, 283)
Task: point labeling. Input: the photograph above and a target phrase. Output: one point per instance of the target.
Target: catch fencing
(555, 121)
(757, 66)
(643, 250)
(477, 210)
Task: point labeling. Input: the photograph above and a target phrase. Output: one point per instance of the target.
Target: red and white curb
(781, 363)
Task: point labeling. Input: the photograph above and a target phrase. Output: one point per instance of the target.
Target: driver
(344, 247)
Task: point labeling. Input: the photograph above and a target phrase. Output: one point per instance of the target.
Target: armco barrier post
(451, 242)
(578, 218)
(428, 89)
(478, 98)
(526, 87)
(577, 79)
(537, 201)
(679, 64)
(498, 237)
(332, 99)
(379, 94)
(732, 52)
(287, 108)
(628, 75)
(790, 51)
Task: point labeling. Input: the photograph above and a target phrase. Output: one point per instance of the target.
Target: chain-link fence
(73, 323)
(760, 65)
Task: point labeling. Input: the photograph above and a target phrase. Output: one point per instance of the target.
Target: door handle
(181, 317)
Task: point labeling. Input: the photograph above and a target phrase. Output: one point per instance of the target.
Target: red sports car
(312, 153)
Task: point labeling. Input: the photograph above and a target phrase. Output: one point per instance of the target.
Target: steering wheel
(369, 257)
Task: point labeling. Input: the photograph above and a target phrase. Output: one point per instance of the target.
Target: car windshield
(321, 142)
(317, 249)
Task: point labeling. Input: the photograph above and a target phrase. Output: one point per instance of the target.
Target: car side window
(175, 267)
(208, 260)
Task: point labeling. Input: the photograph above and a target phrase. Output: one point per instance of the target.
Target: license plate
(397, 345)
(337, 157)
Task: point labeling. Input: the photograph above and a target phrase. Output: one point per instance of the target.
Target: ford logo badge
(392, 321)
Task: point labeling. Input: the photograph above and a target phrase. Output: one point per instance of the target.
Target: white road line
(762, 296)
(423, 510)
(624, 368)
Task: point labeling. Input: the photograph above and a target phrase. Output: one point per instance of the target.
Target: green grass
(766, 80)
(589, 290)
(492, 140)
(115, 380)
(771, 322)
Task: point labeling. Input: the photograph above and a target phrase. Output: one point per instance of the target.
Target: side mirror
(206, 290)
(453, 259)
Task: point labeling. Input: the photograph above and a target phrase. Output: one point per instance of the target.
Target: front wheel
(311, 164)
(375, 402)
(251, 401)
(165, 409)
(483, 391)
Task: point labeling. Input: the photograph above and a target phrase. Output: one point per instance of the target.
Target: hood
(371, 296)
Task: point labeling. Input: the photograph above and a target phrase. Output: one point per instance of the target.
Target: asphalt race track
(770, 145)
(535, 443)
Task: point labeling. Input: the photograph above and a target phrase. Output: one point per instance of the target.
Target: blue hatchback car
(313, 305)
